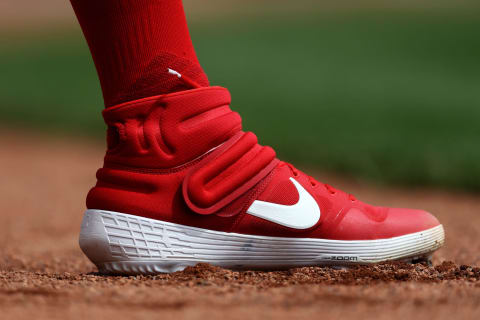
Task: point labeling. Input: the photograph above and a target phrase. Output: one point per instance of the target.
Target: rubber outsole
(120, 243)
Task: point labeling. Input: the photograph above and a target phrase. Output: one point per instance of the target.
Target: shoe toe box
(357, 224)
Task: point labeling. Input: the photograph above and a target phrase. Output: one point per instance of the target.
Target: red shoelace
(314, 182)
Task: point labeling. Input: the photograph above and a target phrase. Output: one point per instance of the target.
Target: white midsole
(123, 243)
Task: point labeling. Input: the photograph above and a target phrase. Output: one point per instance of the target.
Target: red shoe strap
(227, 173)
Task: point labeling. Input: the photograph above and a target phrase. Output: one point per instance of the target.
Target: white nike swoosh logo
(302, 215)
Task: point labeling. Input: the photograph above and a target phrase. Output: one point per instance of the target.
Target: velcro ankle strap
(227, 173)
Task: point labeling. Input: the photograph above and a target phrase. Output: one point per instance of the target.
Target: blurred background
(385, 91)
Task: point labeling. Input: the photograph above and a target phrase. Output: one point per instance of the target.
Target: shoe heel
(114, 243)
(93, 239)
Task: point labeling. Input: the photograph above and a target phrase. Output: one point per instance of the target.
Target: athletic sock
(133, 44)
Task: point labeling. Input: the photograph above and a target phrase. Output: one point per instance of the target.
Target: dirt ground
(44, 275)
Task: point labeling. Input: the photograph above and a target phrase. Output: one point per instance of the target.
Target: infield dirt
(43, 274)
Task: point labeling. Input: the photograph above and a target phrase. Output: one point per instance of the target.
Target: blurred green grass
(387, 96)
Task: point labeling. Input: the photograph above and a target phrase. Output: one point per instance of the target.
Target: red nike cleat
(183, 184)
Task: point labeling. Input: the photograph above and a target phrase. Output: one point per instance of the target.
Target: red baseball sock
(134, 42)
